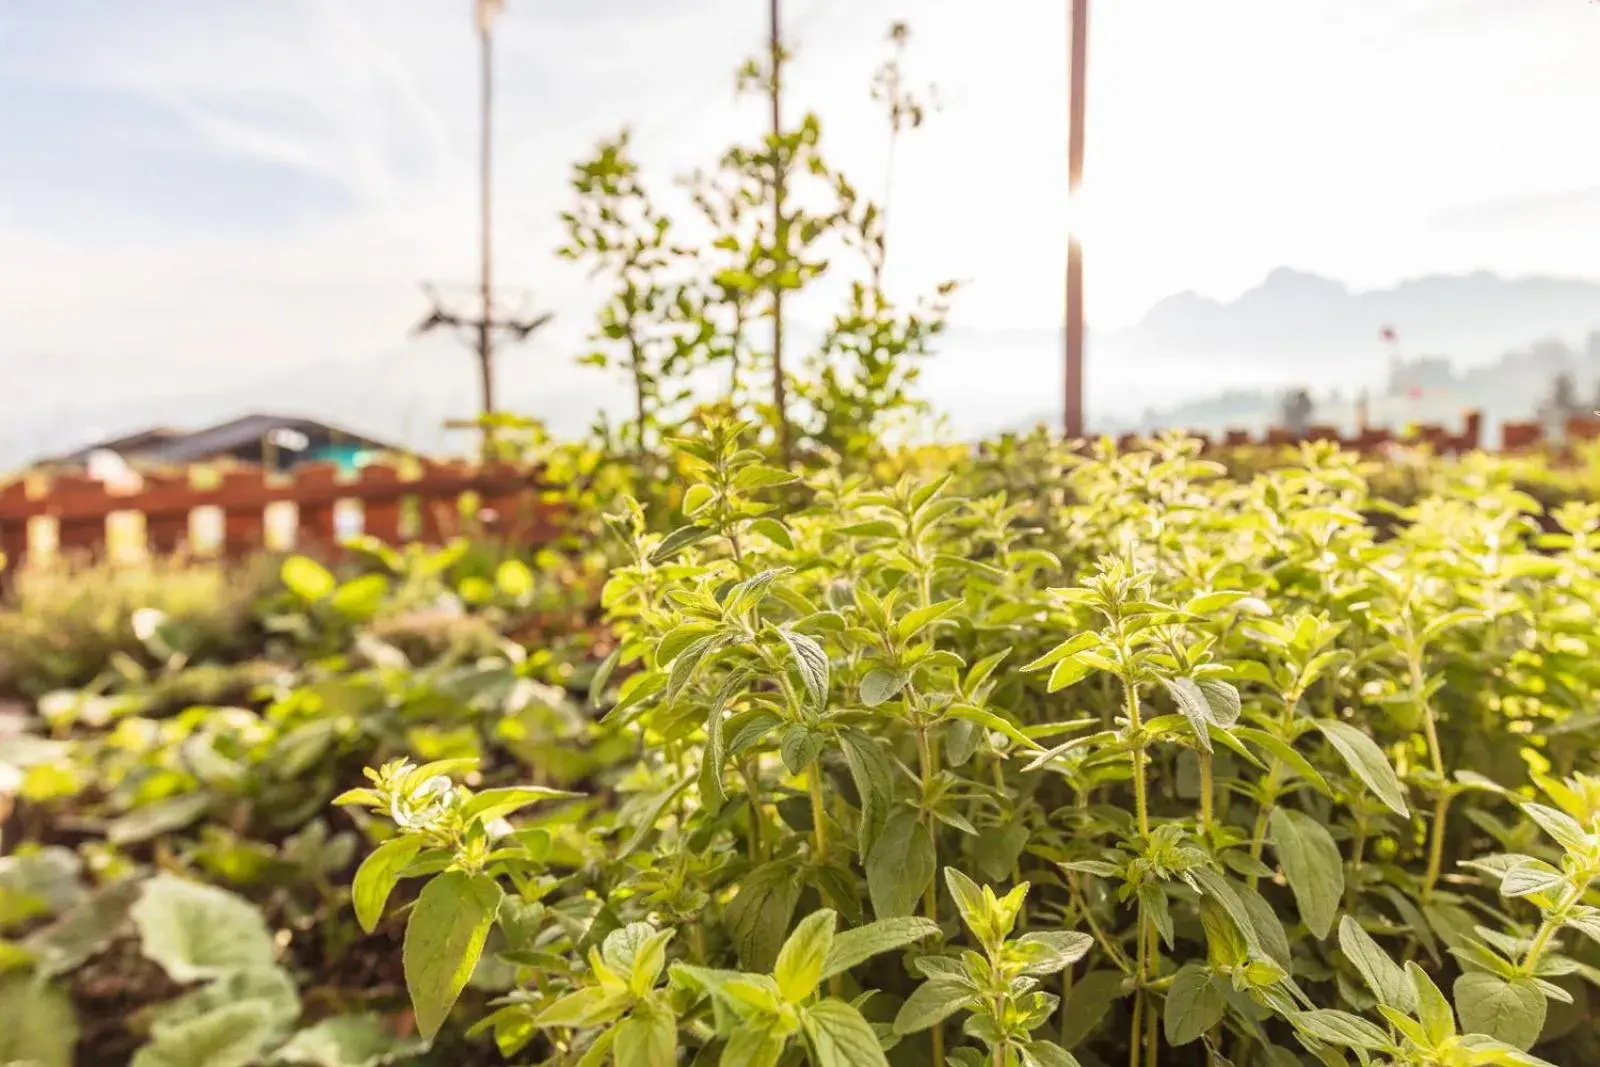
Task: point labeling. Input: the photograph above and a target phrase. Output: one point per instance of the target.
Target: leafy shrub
(1262, 784)
(63, 625)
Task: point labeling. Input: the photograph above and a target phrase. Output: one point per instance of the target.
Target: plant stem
(1547, 929)
(928, 764)
(819, 823)
(1207, 788)
(1258, 837)
(1140, 803)
(757, 846)
(1442, 803)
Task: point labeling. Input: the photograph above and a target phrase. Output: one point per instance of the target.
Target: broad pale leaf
(444, 938)
(1383, 976)
(900, 866)
(198, 931)
(853, 947)
(230, 1036)
(840, 1037)
(1510, 1011)
(377, 876)
(800, 961)
(1312, 865)
(1195, 1004)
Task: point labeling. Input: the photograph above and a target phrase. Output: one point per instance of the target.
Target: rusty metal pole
(1073, 408)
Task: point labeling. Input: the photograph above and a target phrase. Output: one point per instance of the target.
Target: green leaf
(197, 931)
(696, 497)
(1561, 826)
(900, 865)
(761, 476)
(1068, 672)
(1383, 976)
(880, 685)
(1510, 1011)
(853, 947)
(1051, 951)
(813, 665)
(800, 746)
(1192, 704)
(774, 531)
(1065, 650)
(230, 1036)
(1195, 1004)
(83, 931)
(1000, 725)
(1312, 865)
(930, 1004)
(678, 540)
(306, 578)
(491, 804)
(271, 987)
(377, 876)
(1206, 603)
(1286, 755)
(360, 598)
(1529, 878)
(37, 1023)
(1091, 998)
(873, 774)
(915, 621)
(1342, 1029)
(755, 1044)
(346, 1041)
(1223, 700)
(800, 961)
(1366, 759)
(648, 1037)
(590, 1006)
(1432, 1009)
(514, 579)
(759, 914)
(1047, 1054)
(444, 938)
(840, 1037)
(158, 818)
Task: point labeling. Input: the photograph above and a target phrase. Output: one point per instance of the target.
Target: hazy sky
(188, 186)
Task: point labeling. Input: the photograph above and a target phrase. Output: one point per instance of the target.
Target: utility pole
(484, 325)
(780, 235)
(1073, 407)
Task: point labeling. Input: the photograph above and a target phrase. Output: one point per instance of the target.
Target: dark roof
(166, 446)
(128, 444)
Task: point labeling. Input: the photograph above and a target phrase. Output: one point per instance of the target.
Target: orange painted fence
(395, 506)
(75, 514)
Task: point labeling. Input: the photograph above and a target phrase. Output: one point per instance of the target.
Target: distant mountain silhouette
(1293, 329)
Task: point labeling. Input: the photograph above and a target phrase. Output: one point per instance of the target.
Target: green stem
(1207, 789)
(1548, 928)
(1141, 803)
(928, 765)
(1269, 794)
(757, 847)
(1442, 803)
(819, 822)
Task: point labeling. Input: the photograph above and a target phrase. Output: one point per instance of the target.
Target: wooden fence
(312, 507)
(1514, 436)
(73, 514)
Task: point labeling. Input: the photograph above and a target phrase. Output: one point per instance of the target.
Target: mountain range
(1293, 329)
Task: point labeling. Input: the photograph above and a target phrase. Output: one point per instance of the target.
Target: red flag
(1388, 335)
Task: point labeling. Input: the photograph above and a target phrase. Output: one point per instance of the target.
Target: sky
(192, 191)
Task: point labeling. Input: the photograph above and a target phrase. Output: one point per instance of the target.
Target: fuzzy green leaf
(1367, 760)
(1312, 865)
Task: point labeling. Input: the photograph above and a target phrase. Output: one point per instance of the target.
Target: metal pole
(1073, 407)
(485, 322)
